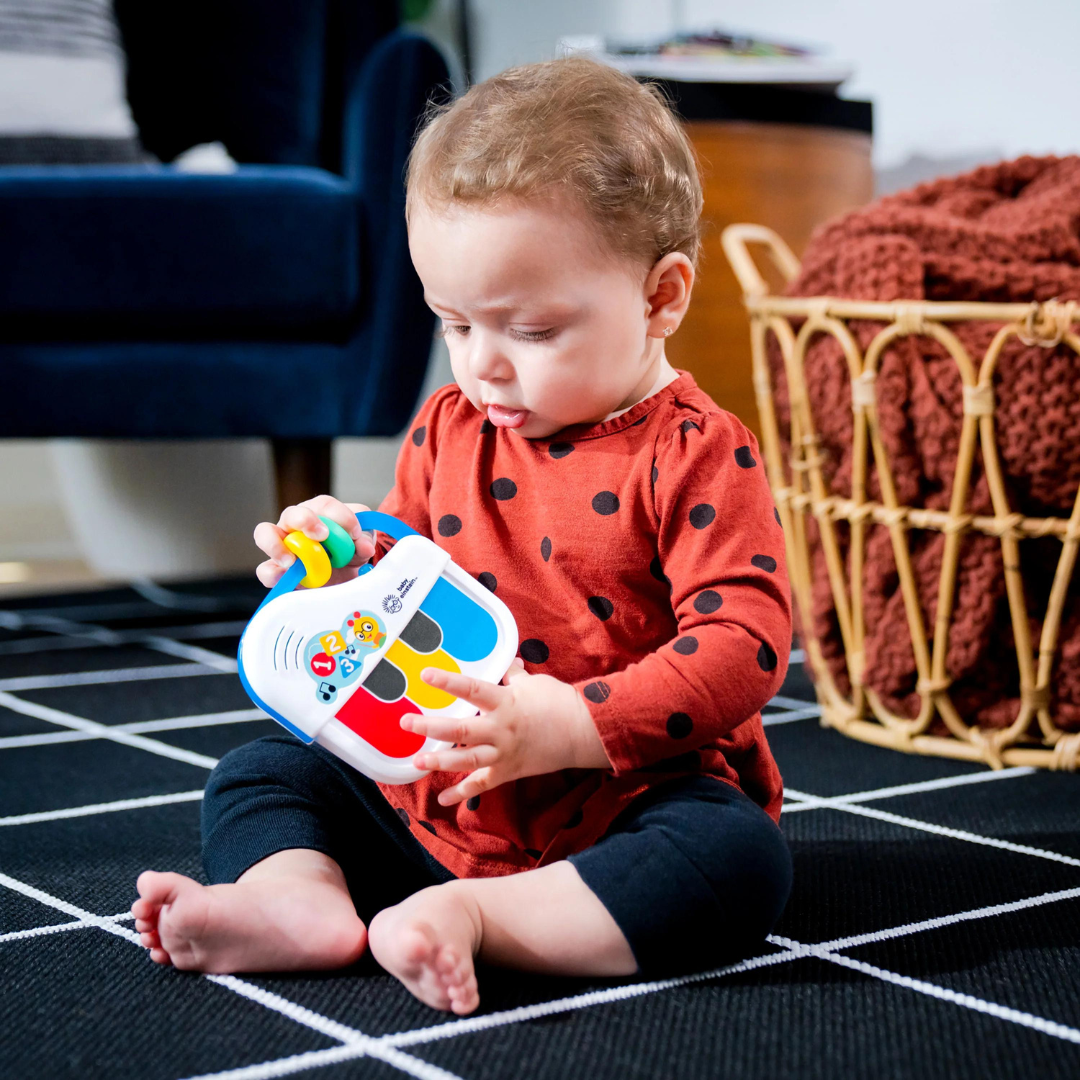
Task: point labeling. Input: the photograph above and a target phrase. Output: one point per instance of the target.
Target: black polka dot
(488, 580)
(606, 502)
(418, 436)
(560, 449)
(545, 548)
(679, 725)
(685, 646)
(766, 658)
(708, 601)
(744, 457)
(427, 825)
(776, 514)
(597, 692)
(533, 853)
(686, 425)
(487, 427)
(575, 820)
(601, 607)
(702, 515)
(535, 651)
(656, 571)
(655, 473)
(688, 762)
(449, 525)
(403, 814)
(473, 803)
(764, 562)
(502, 489)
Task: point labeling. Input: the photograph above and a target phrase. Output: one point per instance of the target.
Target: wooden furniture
(802, 492)
(787, 158)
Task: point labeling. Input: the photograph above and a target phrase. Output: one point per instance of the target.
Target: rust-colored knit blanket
(1004, 233)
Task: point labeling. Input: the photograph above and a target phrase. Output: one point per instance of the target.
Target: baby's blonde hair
(573, 127)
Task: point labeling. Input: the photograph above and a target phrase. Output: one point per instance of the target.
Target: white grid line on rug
(149, 639)
(942, 993)
(290, 1009)
(791, 715)
(990, 1008)
(104, 731)
(953, 834)
(795, 949)
(89, 637)
(806, 801)
(23, 683)
(103, 808)
(792, 950)
(58, 928)
(361, 1045)
(818, 802)
(138, 727)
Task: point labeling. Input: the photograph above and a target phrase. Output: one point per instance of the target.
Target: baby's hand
(531, 724)
(305, 518)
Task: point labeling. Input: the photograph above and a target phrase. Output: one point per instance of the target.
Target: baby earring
(668, 330)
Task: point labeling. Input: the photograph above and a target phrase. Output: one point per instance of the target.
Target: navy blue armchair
(276, 301)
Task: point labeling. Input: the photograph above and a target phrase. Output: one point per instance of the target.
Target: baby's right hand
(305, 518)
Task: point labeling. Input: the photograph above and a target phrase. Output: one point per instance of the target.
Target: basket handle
(735, 239)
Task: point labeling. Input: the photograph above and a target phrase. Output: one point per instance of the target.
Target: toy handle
(392, 526)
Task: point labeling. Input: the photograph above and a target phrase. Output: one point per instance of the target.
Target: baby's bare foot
(269, 924)
(428, 941)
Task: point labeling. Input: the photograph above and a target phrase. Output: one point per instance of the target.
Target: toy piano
(340, 666)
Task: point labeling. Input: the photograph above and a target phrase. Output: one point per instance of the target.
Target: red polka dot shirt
(643, 560)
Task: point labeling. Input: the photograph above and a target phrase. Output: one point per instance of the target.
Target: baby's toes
(464, 998)
(150, 939)
(160, 956)
(453, 968)
(144, 910)
(447, 961)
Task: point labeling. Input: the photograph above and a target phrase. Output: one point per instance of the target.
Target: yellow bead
(313, 555)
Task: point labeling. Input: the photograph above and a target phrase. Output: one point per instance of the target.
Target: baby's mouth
(501, 416)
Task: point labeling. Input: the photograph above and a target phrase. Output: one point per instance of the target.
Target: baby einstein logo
(392, 604)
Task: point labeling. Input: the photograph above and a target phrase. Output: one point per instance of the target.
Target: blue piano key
(469, 632)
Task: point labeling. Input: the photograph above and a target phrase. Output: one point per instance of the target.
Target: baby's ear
(667, 292)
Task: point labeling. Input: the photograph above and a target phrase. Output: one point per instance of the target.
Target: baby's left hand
(532, 724)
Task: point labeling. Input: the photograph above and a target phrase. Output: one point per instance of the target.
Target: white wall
(949, 78)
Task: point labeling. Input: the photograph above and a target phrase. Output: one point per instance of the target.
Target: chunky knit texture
(1003, 233)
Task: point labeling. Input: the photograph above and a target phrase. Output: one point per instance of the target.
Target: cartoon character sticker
(366, 629)
(336, 658)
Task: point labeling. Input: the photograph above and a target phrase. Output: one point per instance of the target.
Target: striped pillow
(62, 95)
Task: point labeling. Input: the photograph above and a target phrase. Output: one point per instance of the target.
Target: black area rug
(933, 930)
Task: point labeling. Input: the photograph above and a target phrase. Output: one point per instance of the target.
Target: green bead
(338, 543)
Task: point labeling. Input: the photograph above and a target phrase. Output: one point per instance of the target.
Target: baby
(612, 809)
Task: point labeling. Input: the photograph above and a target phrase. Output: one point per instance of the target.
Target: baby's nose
(488, 361)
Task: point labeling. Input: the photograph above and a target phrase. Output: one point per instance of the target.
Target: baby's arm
(721, 547)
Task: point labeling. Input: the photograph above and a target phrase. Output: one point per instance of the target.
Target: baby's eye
(534, 335)
(446, 330)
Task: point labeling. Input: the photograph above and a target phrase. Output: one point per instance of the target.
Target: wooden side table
(782, 157)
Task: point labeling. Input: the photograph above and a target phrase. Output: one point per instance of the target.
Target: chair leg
(302, 469)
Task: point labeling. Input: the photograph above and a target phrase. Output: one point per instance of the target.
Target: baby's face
(545, 327)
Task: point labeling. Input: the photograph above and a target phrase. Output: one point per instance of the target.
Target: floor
(934, 927)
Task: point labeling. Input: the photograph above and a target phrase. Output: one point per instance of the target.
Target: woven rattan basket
(801, 492)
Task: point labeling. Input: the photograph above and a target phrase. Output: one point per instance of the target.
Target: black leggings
(694, 872)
